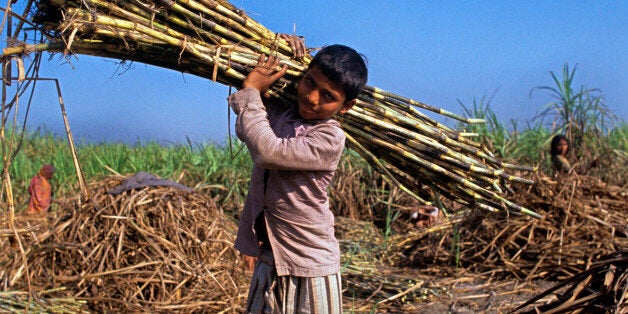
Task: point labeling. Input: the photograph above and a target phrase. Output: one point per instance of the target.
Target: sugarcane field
(429, 217)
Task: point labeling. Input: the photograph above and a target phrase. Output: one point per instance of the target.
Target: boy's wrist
(250, 88)
(247, 85)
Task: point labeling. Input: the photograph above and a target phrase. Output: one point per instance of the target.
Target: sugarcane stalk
(215, 40)
(394, 115)
(473, 189)
(227, 9)
(401, 108)
(147, 29)
(404, 150)
(437, 134)
(427, 140)
(473, 174)
(439, 152)
(378, 165)
(196, 8)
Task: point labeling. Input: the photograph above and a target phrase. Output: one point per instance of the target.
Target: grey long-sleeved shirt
(301, 157)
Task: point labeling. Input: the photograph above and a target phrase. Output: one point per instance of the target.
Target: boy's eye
(328, 96)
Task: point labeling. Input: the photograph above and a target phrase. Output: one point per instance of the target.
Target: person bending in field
(286, 221)
(40, 190)
(558, 150)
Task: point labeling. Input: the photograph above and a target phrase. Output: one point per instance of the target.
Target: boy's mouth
(308, 108)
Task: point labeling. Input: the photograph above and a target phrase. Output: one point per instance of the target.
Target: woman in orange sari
(40, 190)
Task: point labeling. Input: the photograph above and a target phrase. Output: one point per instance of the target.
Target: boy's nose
(312, 97)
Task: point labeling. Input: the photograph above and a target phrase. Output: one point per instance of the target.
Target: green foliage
(222, 171)
(618, 137)
(579, 113)
(493, 133)
(530, 146)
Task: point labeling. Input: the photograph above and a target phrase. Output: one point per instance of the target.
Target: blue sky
(437, 52)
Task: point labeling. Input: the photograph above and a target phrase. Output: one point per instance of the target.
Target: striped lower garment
(270, 293)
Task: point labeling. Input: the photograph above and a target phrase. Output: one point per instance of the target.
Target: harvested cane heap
(215, 40)
(155, 249)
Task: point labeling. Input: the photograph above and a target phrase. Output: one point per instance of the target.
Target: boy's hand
(297, 44)
(265, 74)
(249, 263)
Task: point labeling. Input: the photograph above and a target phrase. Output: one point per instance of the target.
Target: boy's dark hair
(555, 141)
(343, 65)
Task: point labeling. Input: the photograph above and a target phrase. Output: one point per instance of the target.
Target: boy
(286, 221)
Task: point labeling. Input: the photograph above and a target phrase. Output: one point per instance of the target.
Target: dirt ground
(483, 296)
(458, 293)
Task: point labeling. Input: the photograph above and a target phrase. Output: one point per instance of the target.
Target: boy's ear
(347, 105)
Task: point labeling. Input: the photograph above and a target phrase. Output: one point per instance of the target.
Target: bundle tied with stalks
(215, 40)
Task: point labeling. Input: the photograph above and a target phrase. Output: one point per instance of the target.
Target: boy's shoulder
(328, 129)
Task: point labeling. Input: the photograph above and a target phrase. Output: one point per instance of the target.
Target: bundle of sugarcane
(214, 39)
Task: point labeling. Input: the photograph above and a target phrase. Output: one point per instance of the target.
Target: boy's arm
(318, 150)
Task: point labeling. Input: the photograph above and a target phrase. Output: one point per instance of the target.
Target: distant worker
(40, 190)
(425, 216)
(559, 149)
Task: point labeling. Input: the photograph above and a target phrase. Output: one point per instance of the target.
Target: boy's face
(319, 97)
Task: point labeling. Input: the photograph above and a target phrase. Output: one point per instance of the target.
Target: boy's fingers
(269, 61)
(275, 62)
(275, 77)
(272, 60)
(280, 73)
(299, 48)
(265, 73)
(296, 43)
